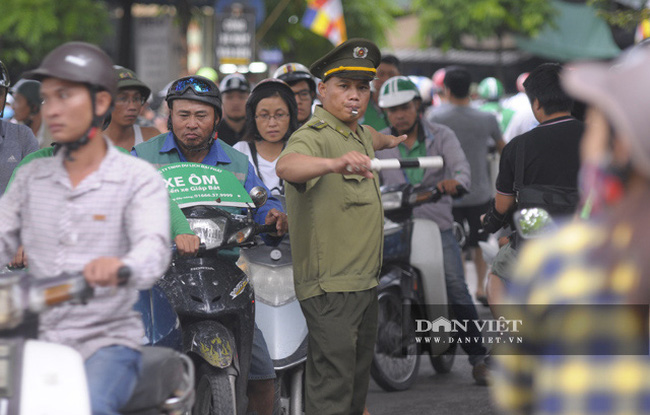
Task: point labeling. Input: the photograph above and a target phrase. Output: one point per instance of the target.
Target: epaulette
(318, 124)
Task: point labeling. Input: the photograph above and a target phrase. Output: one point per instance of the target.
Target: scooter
(50, 379)
(280, 318)
(212, 297)
(411, 286)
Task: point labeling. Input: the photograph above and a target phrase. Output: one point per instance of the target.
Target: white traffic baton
(433, 162)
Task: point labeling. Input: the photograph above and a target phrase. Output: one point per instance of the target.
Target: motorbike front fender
(211, 341)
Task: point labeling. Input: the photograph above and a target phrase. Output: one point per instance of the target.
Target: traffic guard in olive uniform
(336, 228)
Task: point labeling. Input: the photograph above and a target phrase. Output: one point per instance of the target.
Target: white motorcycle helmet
(396, 91)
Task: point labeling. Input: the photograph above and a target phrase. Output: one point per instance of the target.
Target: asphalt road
(452, 393)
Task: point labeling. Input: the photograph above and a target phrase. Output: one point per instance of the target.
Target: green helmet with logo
(396, 91)
(490, 88)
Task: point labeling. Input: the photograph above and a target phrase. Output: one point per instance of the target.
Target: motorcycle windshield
(193, 184)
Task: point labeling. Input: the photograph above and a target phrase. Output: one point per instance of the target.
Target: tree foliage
(363, 18)
(443, 22)
(618, 15)
(29, 29)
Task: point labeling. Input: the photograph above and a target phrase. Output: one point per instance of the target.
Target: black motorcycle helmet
(4, 83)
(195, 88)
(264, 89)
(83, 63)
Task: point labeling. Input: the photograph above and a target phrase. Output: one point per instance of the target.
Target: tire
(214, 393)
(444, 362)
(395, 364)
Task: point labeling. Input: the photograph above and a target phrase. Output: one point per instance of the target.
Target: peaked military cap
(354, 58)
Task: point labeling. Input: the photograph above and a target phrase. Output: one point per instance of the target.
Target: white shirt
(120, 210)
(266, 169)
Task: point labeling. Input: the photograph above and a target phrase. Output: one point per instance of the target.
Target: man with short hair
(16, 141)
(195, 111)
(388, 68)
(235, 90)
(548, 155)
(92, 210)
(401, 101)
(302, 84)
(132, 94)
(336, 230)
(475, 130)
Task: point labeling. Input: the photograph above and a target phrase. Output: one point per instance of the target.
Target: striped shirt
(120, 210)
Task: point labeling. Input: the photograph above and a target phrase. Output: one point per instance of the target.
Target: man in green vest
(336, 219)
(194, 113)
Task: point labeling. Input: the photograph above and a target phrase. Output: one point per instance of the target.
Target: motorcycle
(212, 297)
(280, 318)
(411, 286)
(50, 379)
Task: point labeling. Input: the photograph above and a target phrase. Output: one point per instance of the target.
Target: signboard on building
(157, 50)
(235, 41)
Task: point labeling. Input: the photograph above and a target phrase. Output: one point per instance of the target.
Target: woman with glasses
(131, 97)
(271, 118)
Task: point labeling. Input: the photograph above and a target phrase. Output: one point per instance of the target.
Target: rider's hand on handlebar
(352, 163)
(187, 244)
(102, 272)
(20, 259)
(280, 220)
(449, 187)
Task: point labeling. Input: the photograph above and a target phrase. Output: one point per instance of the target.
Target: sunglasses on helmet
(199, 86)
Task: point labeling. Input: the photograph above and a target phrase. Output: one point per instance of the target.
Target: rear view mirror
(533, 222)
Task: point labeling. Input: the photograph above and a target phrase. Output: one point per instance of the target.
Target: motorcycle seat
(161, 376)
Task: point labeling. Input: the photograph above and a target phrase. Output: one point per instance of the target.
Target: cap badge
(360, 52)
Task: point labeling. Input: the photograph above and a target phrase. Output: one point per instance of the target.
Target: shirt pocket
(357, 191)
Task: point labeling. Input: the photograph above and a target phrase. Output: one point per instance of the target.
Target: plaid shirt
(120, 210)
(566, 269)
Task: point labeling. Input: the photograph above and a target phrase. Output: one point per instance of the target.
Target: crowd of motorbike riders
(309, 132)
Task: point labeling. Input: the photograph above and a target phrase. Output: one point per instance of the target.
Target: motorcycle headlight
(211, 231)
(391, 200)
(273, 285)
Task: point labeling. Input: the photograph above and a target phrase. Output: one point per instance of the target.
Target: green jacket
(160, 152)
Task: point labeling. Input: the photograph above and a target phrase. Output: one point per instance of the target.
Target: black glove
(493, 220)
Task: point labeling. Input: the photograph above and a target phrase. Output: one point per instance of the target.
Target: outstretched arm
(382, 141)
(300, 168)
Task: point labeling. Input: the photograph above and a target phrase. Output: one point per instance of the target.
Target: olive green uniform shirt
(335, 221)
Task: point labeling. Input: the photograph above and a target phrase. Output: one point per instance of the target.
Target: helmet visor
(199, 86)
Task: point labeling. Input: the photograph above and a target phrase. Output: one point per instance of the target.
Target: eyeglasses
(124, 100)
(267, 117)
(304, 95)
(198, 85)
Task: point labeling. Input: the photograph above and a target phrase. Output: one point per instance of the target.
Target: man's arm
(503, 203)
(10, 218)
(272, 211)
(497, 136)
(300, 168)
(455, 162)
(382, 141)
(147, 224)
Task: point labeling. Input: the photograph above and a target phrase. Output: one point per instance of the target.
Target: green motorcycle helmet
(491, 89)
(398, 90)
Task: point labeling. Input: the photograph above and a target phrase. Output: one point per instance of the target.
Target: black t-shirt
(227, 134)
(552, 155)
